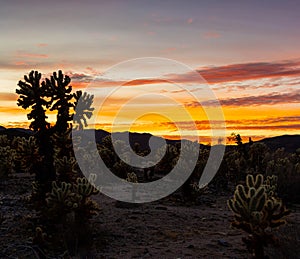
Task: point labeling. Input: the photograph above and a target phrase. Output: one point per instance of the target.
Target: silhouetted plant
(54, 94)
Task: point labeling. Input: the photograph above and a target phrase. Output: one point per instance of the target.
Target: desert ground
(168, 228)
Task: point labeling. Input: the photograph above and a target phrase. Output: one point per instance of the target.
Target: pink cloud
(22, 54)
(190, 20)
(42, 45)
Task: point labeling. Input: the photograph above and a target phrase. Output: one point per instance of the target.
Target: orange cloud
(8, 97)
(11, 110)
(21, 63)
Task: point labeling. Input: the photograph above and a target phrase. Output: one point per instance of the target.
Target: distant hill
(289, 142)
(15, 132)
(141, 138)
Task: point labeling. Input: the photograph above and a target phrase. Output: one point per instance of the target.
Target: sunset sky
(247, 51)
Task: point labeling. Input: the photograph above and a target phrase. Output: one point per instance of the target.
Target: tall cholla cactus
(257, 210)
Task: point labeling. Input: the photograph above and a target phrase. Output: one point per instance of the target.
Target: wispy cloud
(80, 77)
(267, 99)
(249, 71)
(235, 73)
(23, 54)
(241, 72)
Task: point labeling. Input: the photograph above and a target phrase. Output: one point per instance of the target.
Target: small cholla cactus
(27, 153)
(62, 200)
(65, 168)
(4, 141)
(7, 157)
(257, 210)
(270, 185)
(39, 238)
(198, 189)
(85, 187)
(66, 198)
(131, 177)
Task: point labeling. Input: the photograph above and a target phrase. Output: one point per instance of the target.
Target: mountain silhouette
(289, 142)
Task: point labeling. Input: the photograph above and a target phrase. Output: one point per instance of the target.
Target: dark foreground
(163, 229)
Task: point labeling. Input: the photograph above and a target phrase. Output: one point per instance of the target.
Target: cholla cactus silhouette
(61, 95)
(84, 109)
(35, 95)
(32, 95)
(257, 209)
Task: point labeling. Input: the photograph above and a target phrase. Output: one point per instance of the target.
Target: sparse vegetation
(62, 196)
